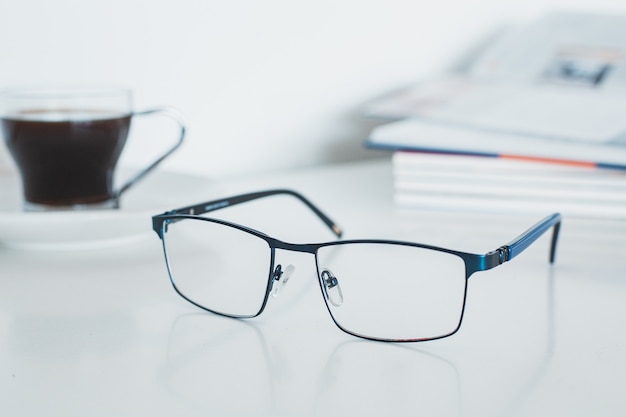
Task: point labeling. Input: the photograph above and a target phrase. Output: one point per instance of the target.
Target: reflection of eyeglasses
(376, 289)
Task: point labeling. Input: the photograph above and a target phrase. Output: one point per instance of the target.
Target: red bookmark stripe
(550, 161)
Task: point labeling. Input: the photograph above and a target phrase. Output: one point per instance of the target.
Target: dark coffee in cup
(66, 157)
(66, 142)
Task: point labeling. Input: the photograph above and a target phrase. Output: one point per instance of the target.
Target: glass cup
(66, 143)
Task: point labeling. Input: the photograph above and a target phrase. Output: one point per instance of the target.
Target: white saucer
(70, 230)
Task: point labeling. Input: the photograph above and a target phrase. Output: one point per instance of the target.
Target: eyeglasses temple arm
(209, 206)
(509, 251)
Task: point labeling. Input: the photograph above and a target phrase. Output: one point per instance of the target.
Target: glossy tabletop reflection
(99, 330)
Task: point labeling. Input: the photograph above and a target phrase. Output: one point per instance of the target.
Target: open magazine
(560, 79)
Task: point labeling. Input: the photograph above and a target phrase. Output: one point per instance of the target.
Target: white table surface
(99, 331)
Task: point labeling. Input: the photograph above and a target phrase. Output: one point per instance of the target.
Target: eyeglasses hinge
(504, 254)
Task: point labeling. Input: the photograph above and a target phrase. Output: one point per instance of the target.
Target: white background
(263, 85)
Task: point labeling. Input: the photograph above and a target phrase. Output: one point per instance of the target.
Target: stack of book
(541, 132)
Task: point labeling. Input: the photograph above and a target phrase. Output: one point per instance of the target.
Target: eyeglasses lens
(392, 291)
(218, 267)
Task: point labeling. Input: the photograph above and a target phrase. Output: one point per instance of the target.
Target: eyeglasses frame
(473, 262)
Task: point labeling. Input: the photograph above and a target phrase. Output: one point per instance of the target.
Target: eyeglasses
(375, 289)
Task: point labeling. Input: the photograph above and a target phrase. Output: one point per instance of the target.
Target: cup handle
(172, 114)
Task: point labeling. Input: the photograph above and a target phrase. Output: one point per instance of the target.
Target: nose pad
(332, 289)
(280, 278)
